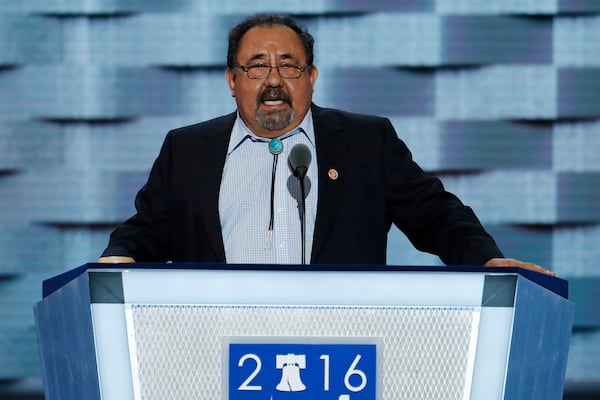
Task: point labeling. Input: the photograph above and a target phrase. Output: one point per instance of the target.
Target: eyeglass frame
(247, 69)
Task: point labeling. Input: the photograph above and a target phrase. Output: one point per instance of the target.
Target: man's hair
(270, 20)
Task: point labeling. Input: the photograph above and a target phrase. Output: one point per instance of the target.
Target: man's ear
(314, 73)
(230, 76)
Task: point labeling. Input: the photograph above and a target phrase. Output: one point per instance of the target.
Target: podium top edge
(554, 284)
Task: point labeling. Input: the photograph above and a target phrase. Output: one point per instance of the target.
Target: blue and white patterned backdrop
(501, 98)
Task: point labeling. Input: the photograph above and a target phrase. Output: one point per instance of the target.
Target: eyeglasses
(261, 71)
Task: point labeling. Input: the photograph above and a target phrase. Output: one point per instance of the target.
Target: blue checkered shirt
(245, 198)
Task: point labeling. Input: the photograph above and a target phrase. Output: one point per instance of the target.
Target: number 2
(246, 384)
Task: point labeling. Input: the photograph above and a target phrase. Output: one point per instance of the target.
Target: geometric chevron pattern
(499, 98)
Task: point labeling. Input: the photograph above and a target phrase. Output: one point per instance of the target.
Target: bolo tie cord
(272, 218)
(275, 148)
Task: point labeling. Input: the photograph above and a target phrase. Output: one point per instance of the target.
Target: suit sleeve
(144, 236)
(434, 220)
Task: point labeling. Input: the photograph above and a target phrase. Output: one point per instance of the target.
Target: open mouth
(273, 102)
(274, 97)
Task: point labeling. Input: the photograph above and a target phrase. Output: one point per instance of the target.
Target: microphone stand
(299, 160)
(302, 217)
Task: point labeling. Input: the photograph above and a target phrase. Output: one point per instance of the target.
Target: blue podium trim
(554, 284)
(499, 290)
(106, 287)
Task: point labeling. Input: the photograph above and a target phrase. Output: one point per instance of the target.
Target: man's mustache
(275, 93)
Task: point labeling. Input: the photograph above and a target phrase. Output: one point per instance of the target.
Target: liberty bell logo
(290, 366)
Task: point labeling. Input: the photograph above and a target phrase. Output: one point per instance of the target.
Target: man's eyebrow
(259, 56)
(287, 56)
(263, 56)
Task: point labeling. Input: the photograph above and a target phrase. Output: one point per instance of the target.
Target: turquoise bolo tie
(276, 146)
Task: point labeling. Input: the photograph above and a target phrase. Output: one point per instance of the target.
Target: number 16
(352, 370)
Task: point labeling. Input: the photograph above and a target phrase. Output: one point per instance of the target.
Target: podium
(239, 332)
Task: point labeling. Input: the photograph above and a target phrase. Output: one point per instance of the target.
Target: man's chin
(275, 121)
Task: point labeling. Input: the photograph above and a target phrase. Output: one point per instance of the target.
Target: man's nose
(274, 79)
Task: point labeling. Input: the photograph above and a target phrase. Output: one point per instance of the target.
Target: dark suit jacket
(177, 210)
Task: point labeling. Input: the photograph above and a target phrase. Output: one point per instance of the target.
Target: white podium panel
(425, 353)
(298, 334)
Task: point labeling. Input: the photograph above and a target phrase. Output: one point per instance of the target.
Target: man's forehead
(262, 42)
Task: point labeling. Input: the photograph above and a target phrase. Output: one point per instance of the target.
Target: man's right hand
(115, 260)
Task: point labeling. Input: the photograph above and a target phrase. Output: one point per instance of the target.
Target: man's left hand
(511, 262)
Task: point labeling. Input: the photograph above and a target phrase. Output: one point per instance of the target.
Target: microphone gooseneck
(299, 161)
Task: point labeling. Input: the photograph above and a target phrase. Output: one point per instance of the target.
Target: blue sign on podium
(294, 371)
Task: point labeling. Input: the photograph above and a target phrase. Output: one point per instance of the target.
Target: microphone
(299, 161)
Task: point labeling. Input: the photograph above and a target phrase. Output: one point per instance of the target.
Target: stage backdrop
(500, 98)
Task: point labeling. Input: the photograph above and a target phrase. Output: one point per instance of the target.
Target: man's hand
(115, 260)
(511, 262)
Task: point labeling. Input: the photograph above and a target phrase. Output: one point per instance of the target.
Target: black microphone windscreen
(299, 159)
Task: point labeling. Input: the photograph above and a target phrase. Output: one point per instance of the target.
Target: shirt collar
(240, 132)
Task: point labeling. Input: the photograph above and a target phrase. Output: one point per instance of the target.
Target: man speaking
(229, 190)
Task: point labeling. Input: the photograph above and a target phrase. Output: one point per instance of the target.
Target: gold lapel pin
(333, 174)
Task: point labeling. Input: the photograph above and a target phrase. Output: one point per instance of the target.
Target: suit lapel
(217, 141)
(332, 157)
